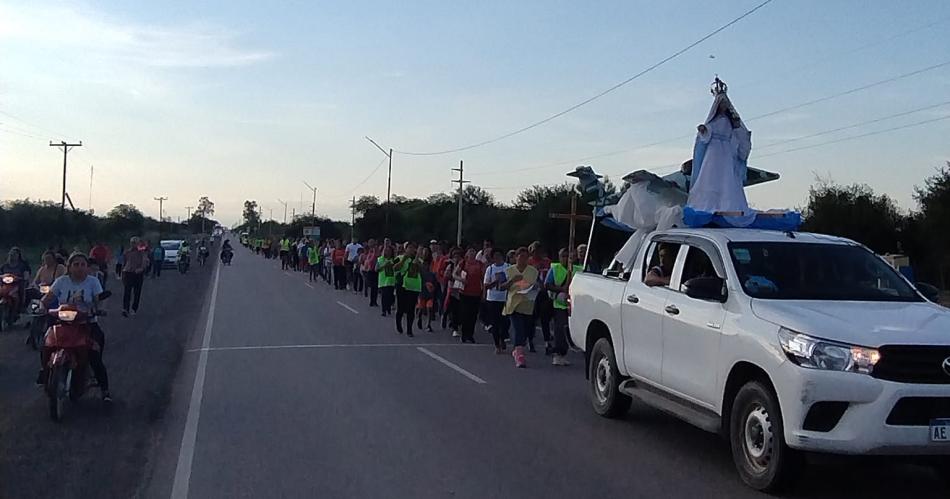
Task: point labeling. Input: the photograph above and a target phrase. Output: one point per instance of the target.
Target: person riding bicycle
(79, 288)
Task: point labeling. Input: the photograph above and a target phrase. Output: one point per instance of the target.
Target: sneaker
(560, 360)
(498, 351)
(409, 334)
(518, 355)
(429, 329)
(106, 397)
(532, 349)
(399, 328)
(548, 349)
(125, 313)
(455, 333)
(133, 313)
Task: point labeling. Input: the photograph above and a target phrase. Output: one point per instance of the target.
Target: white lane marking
(452, 365)
(310, 285)
(330, 345)
(344, 305)
(186, 453)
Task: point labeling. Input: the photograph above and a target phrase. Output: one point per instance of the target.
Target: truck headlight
(816, 353)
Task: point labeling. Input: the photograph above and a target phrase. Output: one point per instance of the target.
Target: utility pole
(161, 200)
(90, 188)
(66, 147)
(461, 181)
(189, 211)
(353, 219)
(285, 209)
(313, 207)
(389, 177)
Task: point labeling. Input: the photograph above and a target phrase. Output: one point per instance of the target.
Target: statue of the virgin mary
(720, 156)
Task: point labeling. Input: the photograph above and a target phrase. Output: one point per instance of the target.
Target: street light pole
(313, 207)
(389, 177)
(285, 209)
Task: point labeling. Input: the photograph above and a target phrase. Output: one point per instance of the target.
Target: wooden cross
(573, 217)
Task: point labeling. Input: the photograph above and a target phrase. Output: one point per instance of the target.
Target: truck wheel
(757, 437)
(605, 382)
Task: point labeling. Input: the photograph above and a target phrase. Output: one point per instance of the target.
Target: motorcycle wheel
(57, 390)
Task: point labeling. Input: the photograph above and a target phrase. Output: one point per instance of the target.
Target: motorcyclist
(203, 248)
(18, 267)
(79, 288)
(184, 252)
(227, 252)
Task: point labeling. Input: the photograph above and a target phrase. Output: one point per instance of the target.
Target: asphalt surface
(95, 451)
(308, 392)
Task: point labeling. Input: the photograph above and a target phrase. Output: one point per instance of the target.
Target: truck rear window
(815, 271)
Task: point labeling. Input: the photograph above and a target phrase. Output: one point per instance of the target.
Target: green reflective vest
(285, 245)
(411, 282)
(313, 256)
(560, 276)
(387, 277)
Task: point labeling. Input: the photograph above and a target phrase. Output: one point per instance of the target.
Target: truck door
(692, 329)
(643, 311)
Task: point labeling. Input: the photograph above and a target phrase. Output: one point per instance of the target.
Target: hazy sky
(245, 99)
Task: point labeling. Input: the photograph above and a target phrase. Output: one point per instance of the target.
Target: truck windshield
(815, 271)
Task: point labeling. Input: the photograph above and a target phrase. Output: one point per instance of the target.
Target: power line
(597, 96)
(768, 114)
(378, 166)
(877, 132)
(851, 91)
(855, 125)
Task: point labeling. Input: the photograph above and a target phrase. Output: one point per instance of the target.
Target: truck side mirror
(929, 291)
(706, 288)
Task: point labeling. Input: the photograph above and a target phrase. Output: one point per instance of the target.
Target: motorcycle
(39, 320)
(9, 299)
(203, 255)
(183, 263)
(66, 356)
(226, 256)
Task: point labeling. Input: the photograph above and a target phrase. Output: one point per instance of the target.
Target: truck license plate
(940, 430)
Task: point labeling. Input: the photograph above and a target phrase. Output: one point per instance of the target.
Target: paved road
(94, 452)
(307, 392)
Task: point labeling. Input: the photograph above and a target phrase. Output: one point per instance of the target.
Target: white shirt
(491, 273)
(352, 250)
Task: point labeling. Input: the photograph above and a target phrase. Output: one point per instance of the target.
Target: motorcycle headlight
(815, 353)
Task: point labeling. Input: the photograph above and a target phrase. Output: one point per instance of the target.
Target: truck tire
(757, 438)
(605, 381)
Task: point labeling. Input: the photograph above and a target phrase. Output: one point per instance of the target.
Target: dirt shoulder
(95, 452)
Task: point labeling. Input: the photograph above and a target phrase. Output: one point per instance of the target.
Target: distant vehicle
(171, 248)
(781, 342)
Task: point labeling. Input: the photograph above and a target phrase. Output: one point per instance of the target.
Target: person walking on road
(284, 253)
(386, 280)
(407, 294)
(543, 309)
(495, 296)
(133, 273)
(158, 259)
(430, 286)
(370, 276)
(470, 273)
(521, 285)
(557, 284)
(451, 315)
(313, 261)
(339, 267)
(352, 255)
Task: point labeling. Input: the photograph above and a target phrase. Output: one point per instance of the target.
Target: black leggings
(387, 298)
(468, 307)
(406, 305)
(339, 277)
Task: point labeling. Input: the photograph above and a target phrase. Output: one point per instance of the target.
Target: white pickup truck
(782, 342)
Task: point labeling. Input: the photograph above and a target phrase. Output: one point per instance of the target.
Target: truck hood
(869, 324)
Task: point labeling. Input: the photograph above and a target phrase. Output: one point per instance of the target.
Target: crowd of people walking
(513, 293)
